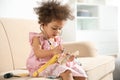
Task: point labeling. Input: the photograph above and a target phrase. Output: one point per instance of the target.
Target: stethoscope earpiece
(8, 75)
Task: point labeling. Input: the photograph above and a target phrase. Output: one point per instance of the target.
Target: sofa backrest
(14, 43)
(5, 52)
(86, 49)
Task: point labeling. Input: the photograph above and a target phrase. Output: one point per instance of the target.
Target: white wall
(17, 8)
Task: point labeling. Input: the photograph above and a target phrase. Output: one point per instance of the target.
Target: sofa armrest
(86, 49)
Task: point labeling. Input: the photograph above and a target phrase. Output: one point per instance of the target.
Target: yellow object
(51, 61)
(23, 75)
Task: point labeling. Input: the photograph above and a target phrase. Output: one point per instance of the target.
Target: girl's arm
(40, 53)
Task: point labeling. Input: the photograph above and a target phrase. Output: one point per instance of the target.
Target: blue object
(52, 77)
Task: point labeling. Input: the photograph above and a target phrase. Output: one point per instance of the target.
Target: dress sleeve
(31, 35)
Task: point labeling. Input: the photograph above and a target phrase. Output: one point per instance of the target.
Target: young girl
(52, 17)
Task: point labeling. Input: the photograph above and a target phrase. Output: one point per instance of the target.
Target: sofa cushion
(24, 74)
(108, 77)
(98, 67)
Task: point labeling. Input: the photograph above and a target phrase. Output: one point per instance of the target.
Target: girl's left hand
(71, 58)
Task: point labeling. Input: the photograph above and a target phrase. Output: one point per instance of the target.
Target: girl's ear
(42, 27)
(41, 24)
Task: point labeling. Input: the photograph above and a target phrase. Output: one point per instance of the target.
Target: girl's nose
(58, 31)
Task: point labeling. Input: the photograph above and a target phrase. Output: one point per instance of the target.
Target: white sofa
(14, 49)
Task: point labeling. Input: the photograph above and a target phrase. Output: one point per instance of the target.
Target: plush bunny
(68, 57)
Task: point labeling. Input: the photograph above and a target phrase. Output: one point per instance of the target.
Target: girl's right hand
(58, 50)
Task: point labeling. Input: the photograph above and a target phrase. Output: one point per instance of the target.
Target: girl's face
(53, 28)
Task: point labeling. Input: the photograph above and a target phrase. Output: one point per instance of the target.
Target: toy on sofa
(56, 58)
(68, 56)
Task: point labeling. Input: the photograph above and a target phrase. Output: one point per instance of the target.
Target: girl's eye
(54, 28)
(60, 28)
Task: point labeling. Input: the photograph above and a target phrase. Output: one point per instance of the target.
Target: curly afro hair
(52, 10)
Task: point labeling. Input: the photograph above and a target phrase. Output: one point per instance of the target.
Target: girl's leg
(67, 75)
(79, 78)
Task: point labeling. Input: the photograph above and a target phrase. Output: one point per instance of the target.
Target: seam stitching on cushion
(8, 44)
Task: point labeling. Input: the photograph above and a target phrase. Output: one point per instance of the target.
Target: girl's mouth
(54, 35)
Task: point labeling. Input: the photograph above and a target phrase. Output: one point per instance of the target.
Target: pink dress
(56, 69)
